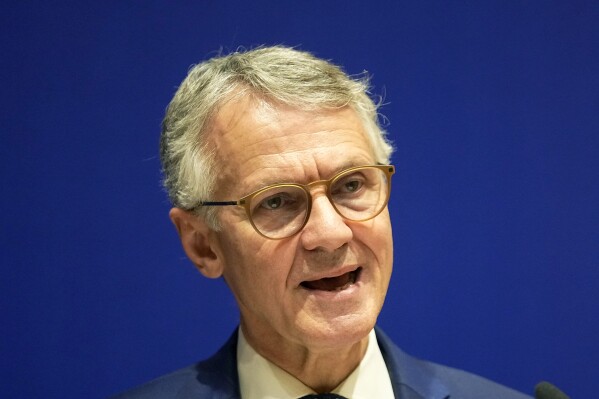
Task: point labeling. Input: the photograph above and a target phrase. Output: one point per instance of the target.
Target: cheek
(379, 238)
(255, 266)
(380, 243)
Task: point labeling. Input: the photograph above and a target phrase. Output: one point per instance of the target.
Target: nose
(325, 228)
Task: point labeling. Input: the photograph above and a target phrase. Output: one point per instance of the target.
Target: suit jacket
(411, 378)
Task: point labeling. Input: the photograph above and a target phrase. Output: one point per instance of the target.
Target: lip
(355, 280)
(335, 273)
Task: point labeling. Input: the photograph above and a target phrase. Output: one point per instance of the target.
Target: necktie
(323, 396)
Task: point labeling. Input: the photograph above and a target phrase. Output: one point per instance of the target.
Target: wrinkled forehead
(256, 141)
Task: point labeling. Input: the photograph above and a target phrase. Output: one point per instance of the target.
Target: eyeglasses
(281, 210)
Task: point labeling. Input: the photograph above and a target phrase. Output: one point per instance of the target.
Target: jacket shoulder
(166, 386)
(465, 385)
(421, 379)
(215, 377)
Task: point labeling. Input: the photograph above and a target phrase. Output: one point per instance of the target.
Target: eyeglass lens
(282, 210)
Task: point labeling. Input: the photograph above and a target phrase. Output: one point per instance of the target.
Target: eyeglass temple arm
(219, 203)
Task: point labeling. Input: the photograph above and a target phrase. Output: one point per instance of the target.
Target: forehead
(258, 143)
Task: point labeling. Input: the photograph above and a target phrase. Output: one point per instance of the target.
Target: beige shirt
(262, 379)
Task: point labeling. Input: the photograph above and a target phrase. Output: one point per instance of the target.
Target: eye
(272, 202)
(352, 186)
(276, 201)
(348, 184)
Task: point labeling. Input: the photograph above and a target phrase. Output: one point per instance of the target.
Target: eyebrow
(268, 181)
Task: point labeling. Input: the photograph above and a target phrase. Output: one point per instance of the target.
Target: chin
(341, 332)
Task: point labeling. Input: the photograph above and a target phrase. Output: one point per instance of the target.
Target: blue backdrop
(494, 110)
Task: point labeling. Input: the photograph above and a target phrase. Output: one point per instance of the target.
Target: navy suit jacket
(411, 378)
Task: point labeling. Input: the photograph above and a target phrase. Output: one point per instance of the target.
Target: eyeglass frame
(245, 201)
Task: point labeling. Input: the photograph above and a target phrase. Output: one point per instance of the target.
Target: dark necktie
(323, 396)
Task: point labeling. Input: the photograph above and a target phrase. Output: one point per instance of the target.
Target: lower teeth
(352, 280)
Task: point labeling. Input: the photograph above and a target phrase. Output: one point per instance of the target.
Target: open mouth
(337, 283)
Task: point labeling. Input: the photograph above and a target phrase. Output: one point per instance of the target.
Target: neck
(322, 369)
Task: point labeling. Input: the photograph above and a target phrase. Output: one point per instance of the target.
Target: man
(279, 175)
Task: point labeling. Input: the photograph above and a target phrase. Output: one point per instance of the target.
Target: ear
(198, 241)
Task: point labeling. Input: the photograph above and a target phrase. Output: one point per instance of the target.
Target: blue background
(493, 107)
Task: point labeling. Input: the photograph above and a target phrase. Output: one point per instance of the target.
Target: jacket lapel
(410, 377)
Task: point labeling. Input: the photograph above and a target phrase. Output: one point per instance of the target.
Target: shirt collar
(261, 379)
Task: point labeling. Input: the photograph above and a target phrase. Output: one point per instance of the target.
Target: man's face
(274, 280)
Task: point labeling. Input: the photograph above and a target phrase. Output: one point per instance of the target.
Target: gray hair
(279, 74)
